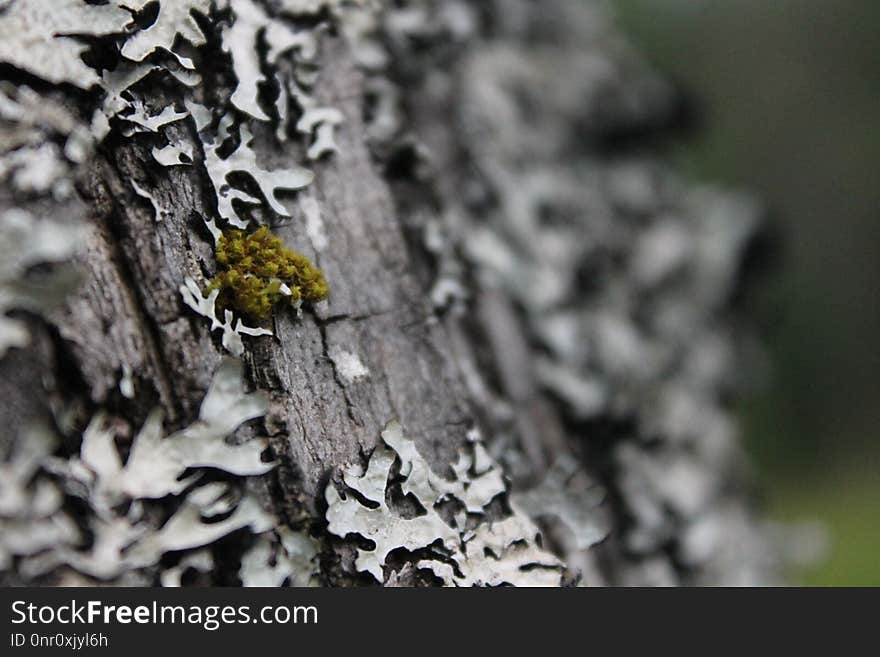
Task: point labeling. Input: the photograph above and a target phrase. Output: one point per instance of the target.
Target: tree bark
(506, 252)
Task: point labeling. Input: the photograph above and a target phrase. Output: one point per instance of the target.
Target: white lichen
(279, 557)
(244, 160)
(41, 141)
(158, 211)
(38, 36)
(569, 498)
(232, 327)
(193, 526)
(174, 154)
(500, 553)
(308, 7)
(201, 561)
(143, 120)
(240, 40)
(125, 537)
(175, 19)
(126, 382)
(315, 228)
(31, 518)
(467, 548)
(387, 530)
(320, 123)
(348, 365)
(25, 241)
(156, 464)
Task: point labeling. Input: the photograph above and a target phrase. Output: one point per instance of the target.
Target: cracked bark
(128, 311)
(438, 374)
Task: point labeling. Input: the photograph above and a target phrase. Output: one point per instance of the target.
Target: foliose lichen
(259, 272)
(646, 349)
(463, 545)
(127, 528)
(148, 511)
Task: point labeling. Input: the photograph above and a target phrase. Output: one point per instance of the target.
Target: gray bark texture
(523, 371)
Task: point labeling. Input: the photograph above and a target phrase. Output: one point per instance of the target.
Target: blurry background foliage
(787, 95)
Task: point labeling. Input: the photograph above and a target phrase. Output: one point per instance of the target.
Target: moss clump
(255, 267)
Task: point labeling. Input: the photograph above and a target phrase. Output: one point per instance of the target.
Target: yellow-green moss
(253, 267)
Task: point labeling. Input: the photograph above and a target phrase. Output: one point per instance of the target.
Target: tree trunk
(518, 285)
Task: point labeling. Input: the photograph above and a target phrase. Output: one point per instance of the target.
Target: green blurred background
(789, 94)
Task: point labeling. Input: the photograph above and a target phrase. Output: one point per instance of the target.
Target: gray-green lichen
(232, 328)
(634, 342)
(281, 557)
(27, 241)
(567, 497)
(143, 120)
(174, 20)
(39, 36)
(619, 271)
(156, 464)
(129, 530)
(31, 516)
(467, 545)
(173, 155)
(240, 41)
(31, 27)
(44, 138)
(244, 161)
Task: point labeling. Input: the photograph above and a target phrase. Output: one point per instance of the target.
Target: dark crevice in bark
(112, 224)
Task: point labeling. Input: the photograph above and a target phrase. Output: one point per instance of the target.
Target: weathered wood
(379, 348)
